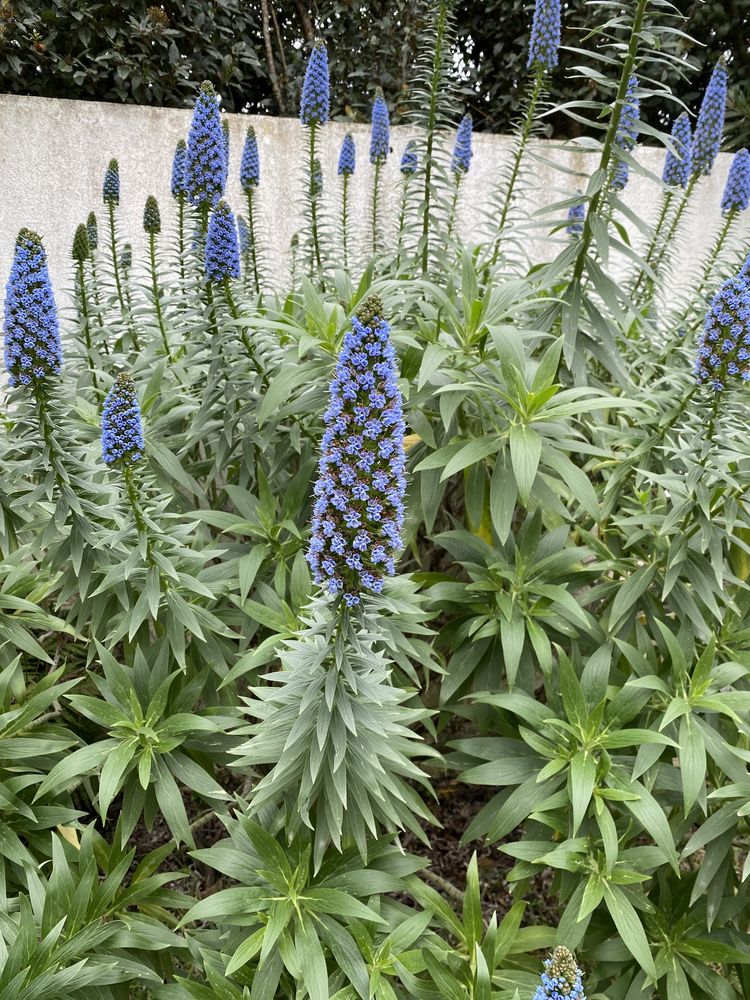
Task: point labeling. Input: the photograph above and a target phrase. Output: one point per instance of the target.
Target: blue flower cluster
(736, 195)
(359, 494)
(315, 104)
(724, 344)
(33, 351)
(677, 169)
(122, 433)
(576, 216)
(710, 124)
(561, 979)
(111, 185)
(222, 259)
(347, 156)
(380, 134)
(545, 35)
(178, 170)
(205, 164)
(627, 132)
(225, 144)
(92, 231)
(409, 161)
(250, 164)
(462, 150)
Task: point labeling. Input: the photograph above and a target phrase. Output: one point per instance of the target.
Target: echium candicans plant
(735, 200)
(347, 164)
(561, 979)
(123, 445)
(332, 729)
(222, 265)
(178, 188)
(380, 144)
(460, 163)
(315, 110)
(723, 350)
(111, 198)
(152, 228)
(205, 162)
(626, 134)
(707, 136)
(250, 181)
(544, 45)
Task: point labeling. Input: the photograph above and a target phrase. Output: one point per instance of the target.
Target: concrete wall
(54, 154)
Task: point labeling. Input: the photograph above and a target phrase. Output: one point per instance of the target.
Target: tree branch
(273, 76)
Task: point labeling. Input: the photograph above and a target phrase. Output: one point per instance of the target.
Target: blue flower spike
(122, 432)
(358, 514)
(561, 979)
(32, 348)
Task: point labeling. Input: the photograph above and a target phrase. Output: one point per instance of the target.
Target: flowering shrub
(324, 563)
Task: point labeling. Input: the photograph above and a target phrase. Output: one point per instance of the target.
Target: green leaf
(525, 451)
(630, 928)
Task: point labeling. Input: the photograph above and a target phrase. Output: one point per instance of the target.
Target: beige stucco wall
(54, 154)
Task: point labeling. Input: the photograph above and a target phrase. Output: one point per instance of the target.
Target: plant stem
(570, 308)
(402, 219)
(157, 296)
(235, 314)
(375, 193)
(437, 63)
(666, 201)
(522, 140)
(454, 205)
(713, 254)
(677, 218)
(97, 300)
(345, 219)
(251, 237)
(315, 261)
(115, 262)
(181, 234)
(86, 324)
(131, 489)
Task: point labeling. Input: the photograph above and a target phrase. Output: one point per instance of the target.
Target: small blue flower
(621, 176)
(462, 150)
(409, 161)
(178, 170)
(122, 433)
(737, 190)
(380, 134)
(545, 35)
(561, 979)
(710, 124)
(205, 163)
(576, 216)
(677, 169)
(627, 132)
(33, 351)
(250, 165)
(222, 259)
(358, 512)
(721, 351)
(111, 186)
(347, 156)
(315, 104)
(225, 144)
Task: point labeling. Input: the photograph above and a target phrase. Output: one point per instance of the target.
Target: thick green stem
(515, 172)
(251, 238)
(402, 218)
(437, 64)
(315, 259)
(714, 253)
(345, 220)
(235, 314)
(131, 489)
(115, 261)
(157, 295)
(454, 205)
(375, 197)
(86, 324)
(97, 300)
(674, 224)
